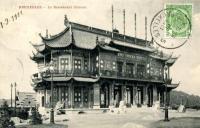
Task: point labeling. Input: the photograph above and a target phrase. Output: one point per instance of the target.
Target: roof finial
(112, 20)
(146, 30)
(124, 22)
(135, 28)
(151, 42)
(47, 35)
(66, 21)
(97, 40)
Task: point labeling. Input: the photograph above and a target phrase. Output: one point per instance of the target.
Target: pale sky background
(16, 66)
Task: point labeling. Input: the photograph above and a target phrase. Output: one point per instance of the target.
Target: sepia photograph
(99, 64)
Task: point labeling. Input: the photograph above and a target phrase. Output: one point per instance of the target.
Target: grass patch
(43, 126)
(180, 122)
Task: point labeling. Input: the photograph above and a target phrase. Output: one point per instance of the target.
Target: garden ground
(132, 118)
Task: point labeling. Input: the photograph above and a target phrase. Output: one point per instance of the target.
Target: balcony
(82, 73)
(138, 76)
(61, 73)
(37, 77)
(108, 73)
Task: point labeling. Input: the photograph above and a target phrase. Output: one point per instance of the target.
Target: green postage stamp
(178, 20)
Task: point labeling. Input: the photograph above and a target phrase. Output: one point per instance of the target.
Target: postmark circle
(170, 28)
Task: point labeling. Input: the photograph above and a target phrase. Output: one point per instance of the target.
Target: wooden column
(48, 98)
(162, 98)
(72, 63)
(89, 63)
(89, 97)
(60, 93)
(11, 94)
(124, 91)
(168, 98)
(111, 93)
(154, 94)
(92, 96)
(70, 95)
(145, 96)
(44, 59)
(134, 95)
(45, 95)
(96, 95)
(82, 97)
(124, 69)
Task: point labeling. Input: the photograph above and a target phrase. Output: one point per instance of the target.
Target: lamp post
(51, 69)
(11, 93)
(166, 94)
(15, 98)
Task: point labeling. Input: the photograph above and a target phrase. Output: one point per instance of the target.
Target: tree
(35, 117)
(5, 121)
(179, 97)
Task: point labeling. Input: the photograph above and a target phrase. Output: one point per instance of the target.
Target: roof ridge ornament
(97, 40)
(66, 21)
(47, 34)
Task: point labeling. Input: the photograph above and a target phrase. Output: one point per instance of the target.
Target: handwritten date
(7, 20)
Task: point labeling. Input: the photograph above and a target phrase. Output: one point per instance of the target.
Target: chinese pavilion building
(95, 68)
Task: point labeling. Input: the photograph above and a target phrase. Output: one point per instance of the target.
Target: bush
(22, 113)
(139, 105)
(35, 117)
(5, 121)
(174, 106)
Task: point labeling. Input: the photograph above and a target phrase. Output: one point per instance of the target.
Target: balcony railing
(138, 76)
(85, 73)
(82, 73)
(56, 73)
(108, 73)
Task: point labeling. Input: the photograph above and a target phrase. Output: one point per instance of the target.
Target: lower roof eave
(78, 79)
(172, 86)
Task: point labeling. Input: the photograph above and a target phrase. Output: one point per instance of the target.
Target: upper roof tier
(85, 37)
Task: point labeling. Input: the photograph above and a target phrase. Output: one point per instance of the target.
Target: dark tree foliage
(35, 117)
(5, 121)
(179, 97)
(22, 113)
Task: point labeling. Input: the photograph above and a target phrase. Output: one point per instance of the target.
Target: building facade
(95, 68)
(26, 100)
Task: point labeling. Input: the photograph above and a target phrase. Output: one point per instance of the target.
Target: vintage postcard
(99, 63)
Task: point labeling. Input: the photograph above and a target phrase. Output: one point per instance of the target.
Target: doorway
(81, 94)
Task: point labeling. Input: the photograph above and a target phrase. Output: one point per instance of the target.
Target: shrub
(5, 121)
(35, 117)
(22, 113)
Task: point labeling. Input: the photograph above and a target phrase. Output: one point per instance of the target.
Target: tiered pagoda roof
(86, 37)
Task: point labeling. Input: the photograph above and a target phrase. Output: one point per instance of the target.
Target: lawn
(43, 126)
(179, 122)
(140, 118)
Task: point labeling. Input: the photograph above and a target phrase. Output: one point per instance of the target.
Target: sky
(15, 49)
